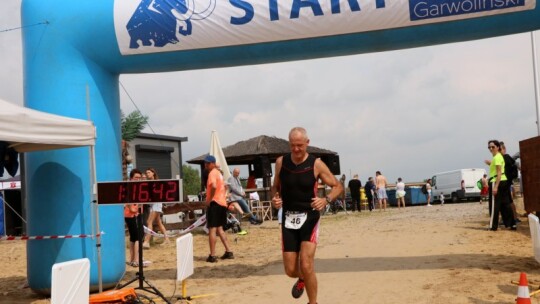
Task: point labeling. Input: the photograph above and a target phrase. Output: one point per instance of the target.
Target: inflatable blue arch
(88, 43)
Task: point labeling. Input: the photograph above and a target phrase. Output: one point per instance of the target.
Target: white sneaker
(146, 263)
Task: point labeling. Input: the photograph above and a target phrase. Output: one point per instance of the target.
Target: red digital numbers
(138, 192)
(158, 190)
(121, 193)
(172, 193)
(154, 191)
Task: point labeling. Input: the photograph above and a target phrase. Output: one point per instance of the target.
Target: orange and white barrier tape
(48, 237)
(201, 221)
(155, 234)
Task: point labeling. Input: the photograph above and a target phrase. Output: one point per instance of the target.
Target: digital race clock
(139, 192)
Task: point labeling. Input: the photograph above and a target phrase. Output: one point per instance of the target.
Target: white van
(450, 184)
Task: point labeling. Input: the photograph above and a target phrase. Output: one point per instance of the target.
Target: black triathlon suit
(298, 188)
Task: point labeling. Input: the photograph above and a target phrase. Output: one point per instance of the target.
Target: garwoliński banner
(149, 26)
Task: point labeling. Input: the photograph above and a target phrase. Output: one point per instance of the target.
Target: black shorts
(309, 232)
(131, 223)
(216, 215)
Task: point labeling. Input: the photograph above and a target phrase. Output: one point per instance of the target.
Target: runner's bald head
(298, 130)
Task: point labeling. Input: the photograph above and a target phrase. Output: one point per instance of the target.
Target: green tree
(131, 126)
(191, 181)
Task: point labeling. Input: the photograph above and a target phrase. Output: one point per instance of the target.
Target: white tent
(30, 130)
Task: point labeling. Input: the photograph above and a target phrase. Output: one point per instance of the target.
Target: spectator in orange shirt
(216, 210)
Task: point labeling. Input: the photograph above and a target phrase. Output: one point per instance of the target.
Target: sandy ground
(439, 254)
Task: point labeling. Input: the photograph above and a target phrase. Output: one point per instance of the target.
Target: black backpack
(424, 189)
(510, 168)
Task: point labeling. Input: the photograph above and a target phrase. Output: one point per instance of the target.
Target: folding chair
(262, 209)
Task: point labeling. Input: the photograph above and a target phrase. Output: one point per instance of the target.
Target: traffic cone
(523, 290)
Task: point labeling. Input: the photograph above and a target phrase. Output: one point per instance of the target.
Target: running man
(295, 189)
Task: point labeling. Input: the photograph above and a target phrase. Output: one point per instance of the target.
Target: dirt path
(439, 254)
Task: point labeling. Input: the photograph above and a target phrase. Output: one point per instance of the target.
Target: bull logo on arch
(159, 21)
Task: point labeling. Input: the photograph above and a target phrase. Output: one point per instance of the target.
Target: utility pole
(535, 68)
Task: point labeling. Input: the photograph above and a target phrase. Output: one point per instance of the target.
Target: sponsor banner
(10, 185)
(422, 9)
(149, 26)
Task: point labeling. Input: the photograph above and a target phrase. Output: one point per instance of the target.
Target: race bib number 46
(295, 220)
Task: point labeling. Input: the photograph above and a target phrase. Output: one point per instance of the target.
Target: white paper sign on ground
(534, 225)
(71, 282)
(184, 257)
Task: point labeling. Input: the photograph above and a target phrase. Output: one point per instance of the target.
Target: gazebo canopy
(245, 152)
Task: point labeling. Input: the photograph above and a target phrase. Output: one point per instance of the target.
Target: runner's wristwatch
(328, 200)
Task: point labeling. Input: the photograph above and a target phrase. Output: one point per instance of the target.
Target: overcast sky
(408, 113)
